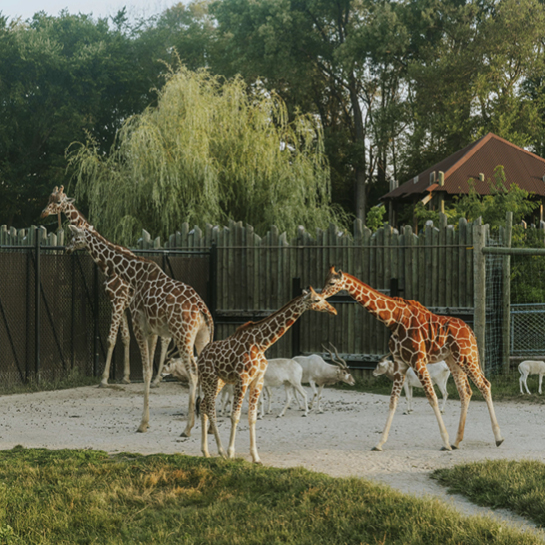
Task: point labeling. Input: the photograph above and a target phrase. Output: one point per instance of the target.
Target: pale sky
(99, 8)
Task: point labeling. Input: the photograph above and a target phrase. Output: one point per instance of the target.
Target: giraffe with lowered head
(117, 290)
(240, 360)
(420, 337)
(159, 306)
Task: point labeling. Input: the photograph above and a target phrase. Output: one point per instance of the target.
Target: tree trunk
(359, 163)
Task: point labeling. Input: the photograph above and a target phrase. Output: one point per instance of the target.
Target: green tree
(493, 208)
(60, 77)
(470, 77)
(209, 152)
(343, 61)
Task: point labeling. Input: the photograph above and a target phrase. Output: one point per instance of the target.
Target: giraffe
(240, 360)
(159, 306)
(420, 337)
(117, 291)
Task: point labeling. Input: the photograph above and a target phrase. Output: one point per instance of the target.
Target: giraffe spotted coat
(240, 360)
(420, 337)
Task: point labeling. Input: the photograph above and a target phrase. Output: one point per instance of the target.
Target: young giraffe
(420, 337)
(240, 360)
(160, 306)
(117, 290)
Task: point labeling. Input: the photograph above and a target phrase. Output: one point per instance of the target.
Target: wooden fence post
(506, 295)
(479, 282)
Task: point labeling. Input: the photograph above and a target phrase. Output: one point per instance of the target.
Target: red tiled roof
(521, 167)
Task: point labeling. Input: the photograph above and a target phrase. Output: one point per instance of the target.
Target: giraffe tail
(198, 406)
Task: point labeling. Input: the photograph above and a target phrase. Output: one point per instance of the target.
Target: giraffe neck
(267, 331)
(75, 217)
(116, 260)
(385, 308)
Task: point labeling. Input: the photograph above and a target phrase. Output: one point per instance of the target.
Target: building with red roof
(476, 162)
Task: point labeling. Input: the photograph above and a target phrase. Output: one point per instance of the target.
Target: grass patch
(67, 497)
(504, 388)
(515, 485)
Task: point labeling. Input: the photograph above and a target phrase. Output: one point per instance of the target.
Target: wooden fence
(257, 275)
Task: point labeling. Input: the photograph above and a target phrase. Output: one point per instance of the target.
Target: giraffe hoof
(453, 447)
(378, 449)
(103, 385)
(445, 448)
(154, 385)
(125, 381)
(498, 443)
(142, 429)
(185, 434)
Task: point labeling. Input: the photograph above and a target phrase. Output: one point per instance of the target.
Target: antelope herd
(163, 307)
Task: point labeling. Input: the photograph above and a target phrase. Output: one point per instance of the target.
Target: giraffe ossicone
(420, 337)
(240, 360)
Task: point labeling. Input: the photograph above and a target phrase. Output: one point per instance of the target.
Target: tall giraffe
(117, 290)
(420, 337)
(240, 360)
(159, 306)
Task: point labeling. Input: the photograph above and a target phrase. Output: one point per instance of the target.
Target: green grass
(73, 497)
(515, 485)
(504, 388)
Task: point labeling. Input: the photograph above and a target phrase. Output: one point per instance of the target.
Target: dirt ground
(337, 442)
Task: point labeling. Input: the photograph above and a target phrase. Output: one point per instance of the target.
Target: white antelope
(317, 372)
(531, 367)
(439, 374)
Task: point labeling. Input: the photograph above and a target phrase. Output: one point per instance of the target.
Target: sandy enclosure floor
(337, 442)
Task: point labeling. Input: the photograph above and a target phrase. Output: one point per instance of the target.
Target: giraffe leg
(146, 367)
(126, 338)
(191, 368)
(255, 390)
(208, 407)
(399, 379)
(422, 373)
(482, 383)
(112, 337)
(464, 390)
(165, 341)
(238, 397)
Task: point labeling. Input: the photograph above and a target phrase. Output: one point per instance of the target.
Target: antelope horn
(330, 353)
(340, 361)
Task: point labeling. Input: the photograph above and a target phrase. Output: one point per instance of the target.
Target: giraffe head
(317, 302)
(57, 201)
(77, 241)
(334, 283)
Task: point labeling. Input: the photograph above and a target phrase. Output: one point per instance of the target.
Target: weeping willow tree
(209, 151)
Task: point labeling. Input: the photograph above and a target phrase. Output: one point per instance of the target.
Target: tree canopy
(395, 86)
(210, 151)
